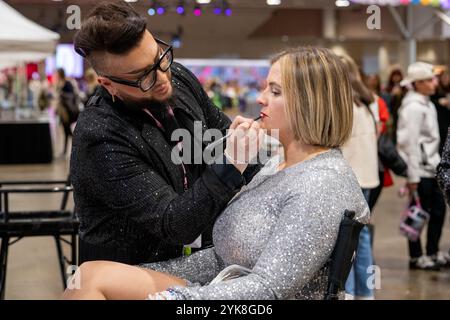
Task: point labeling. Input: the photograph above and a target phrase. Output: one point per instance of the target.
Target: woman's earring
(113, 98)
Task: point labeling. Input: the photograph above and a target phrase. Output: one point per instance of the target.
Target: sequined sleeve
(200, 267)
(443, 170)
(298, 248)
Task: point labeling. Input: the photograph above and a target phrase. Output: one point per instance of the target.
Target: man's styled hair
(111, 27)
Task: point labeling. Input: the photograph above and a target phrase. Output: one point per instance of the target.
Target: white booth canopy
(22, 40)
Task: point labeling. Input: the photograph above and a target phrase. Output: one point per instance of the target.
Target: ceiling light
(273, 2)
(342, 3)
(197, 12)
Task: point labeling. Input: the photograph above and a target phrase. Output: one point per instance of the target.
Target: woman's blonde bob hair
(318, 96)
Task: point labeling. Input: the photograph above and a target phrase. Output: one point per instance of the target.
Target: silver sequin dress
(278, 233)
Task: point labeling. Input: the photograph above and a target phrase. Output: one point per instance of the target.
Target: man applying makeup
(134, 203)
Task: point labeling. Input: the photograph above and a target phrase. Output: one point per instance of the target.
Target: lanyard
(179, 144)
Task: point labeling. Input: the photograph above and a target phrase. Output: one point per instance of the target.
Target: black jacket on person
(443, 115)
(129, 195)
(389, 156)
(69, 100)
(443, 169)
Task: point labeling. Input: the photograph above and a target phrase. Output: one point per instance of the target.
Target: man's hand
(244, 143)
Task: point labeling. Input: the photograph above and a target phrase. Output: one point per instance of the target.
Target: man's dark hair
(111, 27)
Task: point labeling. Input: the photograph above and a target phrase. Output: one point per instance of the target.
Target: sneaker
(349, 296)
(423, 263)
(442, 259)
(364, 298)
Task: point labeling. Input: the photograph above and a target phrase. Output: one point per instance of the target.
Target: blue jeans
(357, 281)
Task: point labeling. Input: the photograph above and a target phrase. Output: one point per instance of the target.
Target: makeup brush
(215, 143)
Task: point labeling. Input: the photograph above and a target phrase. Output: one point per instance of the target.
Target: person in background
(44, 98)
(91, 84)
(34, 89)
(394, 96)
(418, 144)
(441, 100)
(384, 117)
(67, 104)
(443, 178)
(214, 90)
(361, 153)
(373, 84)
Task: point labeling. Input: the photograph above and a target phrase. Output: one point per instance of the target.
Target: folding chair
(20, 224)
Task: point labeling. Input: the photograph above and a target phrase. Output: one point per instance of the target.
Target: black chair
(56, 223)
(343, 254)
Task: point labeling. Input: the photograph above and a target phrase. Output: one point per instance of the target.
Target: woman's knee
(91, 273)
(82, 281)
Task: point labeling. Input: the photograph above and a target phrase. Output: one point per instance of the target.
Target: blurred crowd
(231, 94)
(58, 95)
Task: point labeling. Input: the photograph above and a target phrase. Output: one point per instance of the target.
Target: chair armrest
(32, 182)
(36, 190)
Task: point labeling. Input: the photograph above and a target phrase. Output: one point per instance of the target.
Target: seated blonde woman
(275, 237)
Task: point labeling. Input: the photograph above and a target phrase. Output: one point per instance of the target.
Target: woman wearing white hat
(418, 143)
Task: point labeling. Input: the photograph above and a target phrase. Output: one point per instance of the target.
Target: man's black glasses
(148, 79)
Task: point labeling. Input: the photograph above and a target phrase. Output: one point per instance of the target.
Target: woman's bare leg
(100, 280)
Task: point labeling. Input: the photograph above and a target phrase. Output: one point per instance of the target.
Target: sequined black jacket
(443, 170)
(129, 195)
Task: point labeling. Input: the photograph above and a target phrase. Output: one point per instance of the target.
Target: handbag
(390, 157)
(413, 219)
